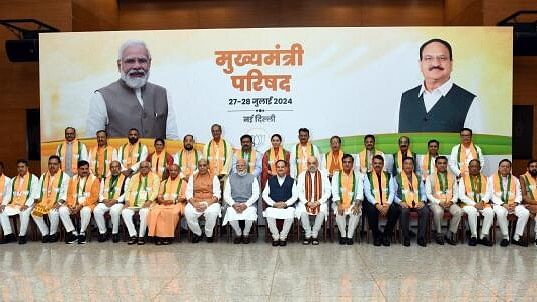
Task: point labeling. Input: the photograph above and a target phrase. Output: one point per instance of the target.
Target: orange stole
(217, 155)
(365, 164)
(301, 159)
(75, 154)
(50, 193)
(159, 163)
(188, 160)
(274, 156)
(2, 186)
(313, 193)
(463, 164)
(497, 184)
(531, 185)
(333, 163)
(114, 192)
(19, 191)
(76, 191)
(443, 187)
(133, 154)
(101, 158)
(475, 186)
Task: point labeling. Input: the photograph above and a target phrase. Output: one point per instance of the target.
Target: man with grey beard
(132, 101)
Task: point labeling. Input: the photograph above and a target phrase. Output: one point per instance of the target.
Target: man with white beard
(132, 101)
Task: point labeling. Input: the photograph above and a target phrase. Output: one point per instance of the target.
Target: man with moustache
(132, 101)
(364, 159)
(437, 105)
(187, 159)
(130, 155)
(403, 152)
(528, 186)
(101, 156)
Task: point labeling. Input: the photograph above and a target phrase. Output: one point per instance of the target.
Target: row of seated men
(160, 204)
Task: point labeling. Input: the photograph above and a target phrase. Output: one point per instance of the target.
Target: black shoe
(450, 240)
(519, 242)
(141, 241)
(422, 242)
(306, 241)
(237, 240)
(314, 241)
(115, 238)
(472, 241)
(342, 240)
(350, 241)
(8, 238)
(45, 239)
(71, 238)
(504, 242)
(102, 238)
(406, 242)
(439, 240)
(195, 238)
(22, 239)
(245, 239)
(485, 241)
(411, 234)
(210, 239)
(132, 240)
(283, 242)
(275, 242)
(166, 241)
(82, 239)
(53, 238)
(386, 241)
(377, 242)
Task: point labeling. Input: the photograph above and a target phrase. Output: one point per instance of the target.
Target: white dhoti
(128, 214)
(115, 212)
(10, 210)
(211, 213)
(249, 215)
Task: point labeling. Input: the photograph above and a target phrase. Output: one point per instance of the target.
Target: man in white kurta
(131, 154)
(18, 199)
(53, 186)
(301, 151)
(314, 189)
(241, 192)
(203, 196)
(280, 194)
(442, 193)
(70, 151)
(474, 195)
(463, 153)
(347, 195)
(112, 200)
(141, 193)
(506, 196)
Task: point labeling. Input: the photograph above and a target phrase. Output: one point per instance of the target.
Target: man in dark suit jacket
(437, 105)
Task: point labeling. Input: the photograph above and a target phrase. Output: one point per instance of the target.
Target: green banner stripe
(490, 144)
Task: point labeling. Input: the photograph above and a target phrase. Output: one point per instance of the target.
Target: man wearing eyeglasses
(437, 105)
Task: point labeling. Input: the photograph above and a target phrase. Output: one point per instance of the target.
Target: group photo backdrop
(334, 81)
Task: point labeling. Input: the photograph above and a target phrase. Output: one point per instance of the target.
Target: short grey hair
(130, 43)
